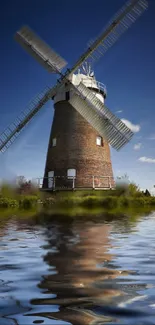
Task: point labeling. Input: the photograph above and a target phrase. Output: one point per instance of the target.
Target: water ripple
(79, 273)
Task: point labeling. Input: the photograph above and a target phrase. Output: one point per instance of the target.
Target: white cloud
(133, 127)
(137, 146)
(120, 111)
(147, 160)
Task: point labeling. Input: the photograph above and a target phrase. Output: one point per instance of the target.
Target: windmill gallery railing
(73, 183)
(93, 83)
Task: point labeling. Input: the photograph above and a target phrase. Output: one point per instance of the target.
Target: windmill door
(50, 179)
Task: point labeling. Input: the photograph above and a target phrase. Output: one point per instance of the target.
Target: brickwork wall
(76, 147)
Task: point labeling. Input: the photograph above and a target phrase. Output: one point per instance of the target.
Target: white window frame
(50, 179)
(99, 141)
(54, 142)
(71, 173)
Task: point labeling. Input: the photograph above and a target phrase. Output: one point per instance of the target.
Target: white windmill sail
(10, 134)
(123, 20)
(40, 50)
(100, 117)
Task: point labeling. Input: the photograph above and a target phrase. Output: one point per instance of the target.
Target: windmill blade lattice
(129, 13)
(106, 123)
(47, 57)
(13, 130)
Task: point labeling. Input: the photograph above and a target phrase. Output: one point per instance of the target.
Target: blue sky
(127, 69)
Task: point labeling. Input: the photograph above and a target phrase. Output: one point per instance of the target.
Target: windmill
(83, 127)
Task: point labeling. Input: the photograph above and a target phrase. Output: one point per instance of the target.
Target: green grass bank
(122, 198)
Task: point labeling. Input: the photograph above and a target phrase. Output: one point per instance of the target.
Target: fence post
(93, 182)
(109, 183)
(73, 186)
(53, 183)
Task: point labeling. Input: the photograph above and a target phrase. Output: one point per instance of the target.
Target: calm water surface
(78, 273)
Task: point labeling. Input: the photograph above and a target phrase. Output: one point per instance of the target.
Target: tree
(147, 193)
(20, 180)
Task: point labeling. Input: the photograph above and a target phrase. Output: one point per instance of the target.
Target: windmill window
(50, 179)
(99, 141)
(67, 95)
(54, 142)
(71, 173)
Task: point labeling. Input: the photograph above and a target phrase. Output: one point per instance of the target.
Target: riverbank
(67, 215)
(121, 199)
(108, 200)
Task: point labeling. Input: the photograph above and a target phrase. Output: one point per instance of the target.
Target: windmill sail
(11, 133)
(40, 50)
(106, 123)
(129, 13)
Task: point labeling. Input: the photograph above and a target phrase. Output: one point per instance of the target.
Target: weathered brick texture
(76, 148)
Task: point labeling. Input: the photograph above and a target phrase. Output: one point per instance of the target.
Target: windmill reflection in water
(83, 275)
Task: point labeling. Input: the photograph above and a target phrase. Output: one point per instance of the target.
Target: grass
(105, 202)
(74, 203)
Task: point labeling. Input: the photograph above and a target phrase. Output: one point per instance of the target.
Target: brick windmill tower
(83, 127)
(77, 154)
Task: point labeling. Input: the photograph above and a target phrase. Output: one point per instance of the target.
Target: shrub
(106, 202)
(4, 202)
(110, 202)
(7, 202)
(133, 190)
(91, 201)
(69, 201)
(151, 200)
(48, 201)
(124, 201)
(13, 203)
(28, 202)
(139, 201)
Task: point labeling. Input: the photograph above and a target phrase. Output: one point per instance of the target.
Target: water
(78, 273)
